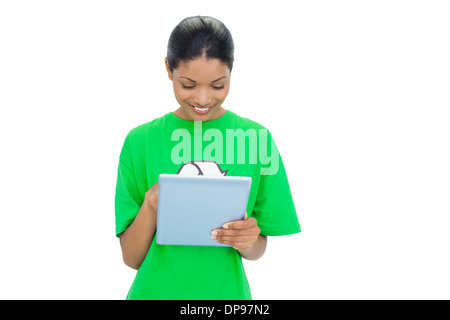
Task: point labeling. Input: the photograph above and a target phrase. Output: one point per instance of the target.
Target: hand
(240, 234)
(151, 197)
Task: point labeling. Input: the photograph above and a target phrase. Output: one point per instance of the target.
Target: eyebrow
(196, 81)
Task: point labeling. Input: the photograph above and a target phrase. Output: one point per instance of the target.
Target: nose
(202, 98)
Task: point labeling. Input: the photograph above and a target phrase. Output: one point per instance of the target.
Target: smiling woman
(200, 131)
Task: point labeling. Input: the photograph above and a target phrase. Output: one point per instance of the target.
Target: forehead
(202, 69)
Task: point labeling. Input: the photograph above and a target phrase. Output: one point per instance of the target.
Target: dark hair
(200, 36)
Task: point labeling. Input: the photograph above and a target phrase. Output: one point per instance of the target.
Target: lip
(201, 112)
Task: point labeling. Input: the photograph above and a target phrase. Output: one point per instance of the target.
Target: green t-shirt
(230, 145)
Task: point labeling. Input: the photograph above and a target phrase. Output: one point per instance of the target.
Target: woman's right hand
(151, 197)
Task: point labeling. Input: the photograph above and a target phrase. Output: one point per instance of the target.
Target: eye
(187, 87)
(218, 88)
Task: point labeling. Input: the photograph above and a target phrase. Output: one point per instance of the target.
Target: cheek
(223, 94)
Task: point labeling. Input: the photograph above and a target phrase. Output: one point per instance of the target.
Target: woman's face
(200, 87)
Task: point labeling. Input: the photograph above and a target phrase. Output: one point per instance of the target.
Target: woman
(199, 63)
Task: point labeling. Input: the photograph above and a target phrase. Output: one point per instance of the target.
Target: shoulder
(145, 134)
(146, 127)
(151, 128)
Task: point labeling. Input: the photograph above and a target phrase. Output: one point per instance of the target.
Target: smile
(201, 110)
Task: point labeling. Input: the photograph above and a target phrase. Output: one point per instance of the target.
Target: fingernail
(225, 226)
(214, 234)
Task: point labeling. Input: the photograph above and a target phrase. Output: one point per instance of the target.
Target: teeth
(201, 109)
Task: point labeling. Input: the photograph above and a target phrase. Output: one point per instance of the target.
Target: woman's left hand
(240, 234)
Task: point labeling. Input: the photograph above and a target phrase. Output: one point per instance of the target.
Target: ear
(169, 73)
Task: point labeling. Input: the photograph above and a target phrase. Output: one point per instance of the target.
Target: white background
(356, 94)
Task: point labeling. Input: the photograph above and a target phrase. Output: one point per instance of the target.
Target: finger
(231, 235)
(238, 232)
(227, 225)
(234, 237)
(241, 224)
(221, 233)
(239, 239)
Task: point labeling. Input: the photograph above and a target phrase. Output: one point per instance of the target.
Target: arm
(256, 251)
(135, 241)
(244, 236)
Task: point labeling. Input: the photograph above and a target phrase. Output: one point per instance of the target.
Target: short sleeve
(274, 207)
(127, 199)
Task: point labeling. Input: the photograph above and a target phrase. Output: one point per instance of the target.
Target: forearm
(256, 251)
(135, 241)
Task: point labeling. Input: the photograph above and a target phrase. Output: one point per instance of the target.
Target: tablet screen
(190, 207)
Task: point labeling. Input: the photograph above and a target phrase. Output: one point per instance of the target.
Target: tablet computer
(190, 207)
